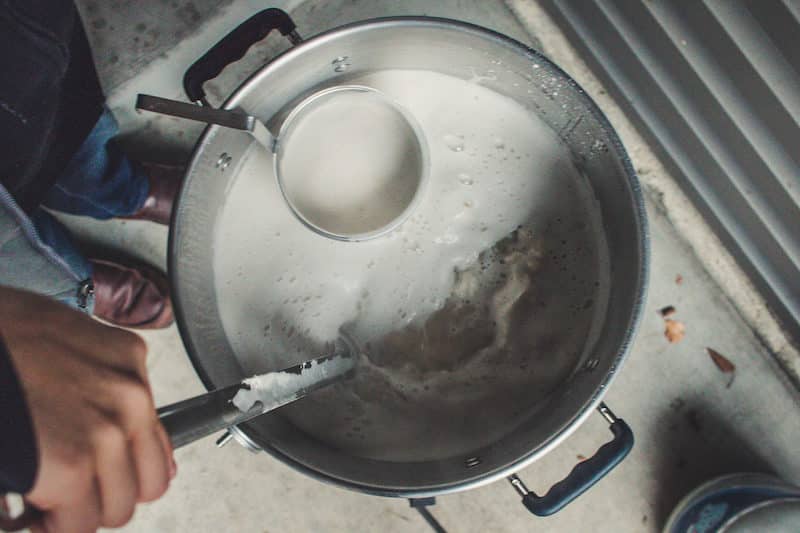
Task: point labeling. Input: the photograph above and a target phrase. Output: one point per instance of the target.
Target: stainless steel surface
(767, 509)
(454, 49)
(518, 485)
(243, 440)
(294, 37)
(202, 113)
(224, 439)
(606, 412)
(388, 220)
(198, 417)
(714, 86)
(778, 516)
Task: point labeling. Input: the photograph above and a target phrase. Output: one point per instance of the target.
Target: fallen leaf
(581, 457)
(667, 311)
(722, 362)
(674, 331)
(678, 279)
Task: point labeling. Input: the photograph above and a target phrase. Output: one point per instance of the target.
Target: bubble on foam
(465, 179)
(454, 142)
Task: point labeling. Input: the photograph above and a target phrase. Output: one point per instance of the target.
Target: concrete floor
(689, 424)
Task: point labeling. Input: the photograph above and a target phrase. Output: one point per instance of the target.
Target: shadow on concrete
(157, 146)
(694, 446)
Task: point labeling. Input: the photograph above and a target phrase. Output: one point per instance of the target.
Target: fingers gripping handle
(584, 475)
(233, 47)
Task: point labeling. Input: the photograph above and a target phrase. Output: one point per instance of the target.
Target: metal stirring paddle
(195, 418)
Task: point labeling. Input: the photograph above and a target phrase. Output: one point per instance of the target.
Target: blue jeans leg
(100, 181)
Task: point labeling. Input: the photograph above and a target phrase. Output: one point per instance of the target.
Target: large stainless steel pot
(456, 49)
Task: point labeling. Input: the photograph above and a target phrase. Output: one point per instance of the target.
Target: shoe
(131, 297)
(165, 182)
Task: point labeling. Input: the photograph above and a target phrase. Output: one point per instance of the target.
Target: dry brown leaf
(667, 311)
(674, 331)
(581, 457)
(678, 279)
(722, 362)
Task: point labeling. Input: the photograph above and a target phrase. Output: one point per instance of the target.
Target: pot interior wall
(463, 52)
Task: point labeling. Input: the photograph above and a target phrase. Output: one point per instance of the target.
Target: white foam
(299, 274)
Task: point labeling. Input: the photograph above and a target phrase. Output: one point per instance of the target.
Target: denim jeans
(99, 182)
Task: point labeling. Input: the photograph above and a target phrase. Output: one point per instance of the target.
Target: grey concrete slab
(130, 34)
(688, 423)
(679, 209)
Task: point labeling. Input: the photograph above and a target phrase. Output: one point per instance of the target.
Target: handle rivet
(340, 64)
(224, 439)
(224, 161)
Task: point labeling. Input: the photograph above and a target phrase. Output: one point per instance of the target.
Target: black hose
(430, 519)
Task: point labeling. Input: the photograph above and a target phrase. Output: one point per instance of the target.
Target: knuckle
(135, 406)
(105, 433)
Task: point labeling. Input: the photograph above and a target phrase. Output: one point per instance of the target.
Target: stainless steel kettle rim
(639, 246)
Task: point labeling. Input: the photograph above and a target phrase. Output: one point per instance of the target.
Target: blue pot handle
(585, 474)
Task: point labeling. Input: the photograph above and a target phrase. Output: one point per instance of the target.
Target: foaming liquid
(469, 313)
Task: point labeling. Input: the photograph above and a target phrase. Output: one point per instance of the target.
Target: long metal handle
(195, 418)
(198, 417)
(209, 115)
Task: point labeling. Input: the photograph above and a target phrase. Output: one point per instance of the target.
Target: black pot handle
(233, 47)
(585, 474)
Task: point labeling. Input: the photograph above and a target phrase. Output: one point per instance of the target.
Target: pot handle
(585, 474)
(233, 47)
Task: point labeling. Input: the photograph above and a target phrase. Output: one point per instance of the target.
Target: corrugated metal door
(715, 86)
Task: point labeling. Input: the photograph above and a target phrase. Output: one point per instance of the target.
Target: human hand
(101, 446)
